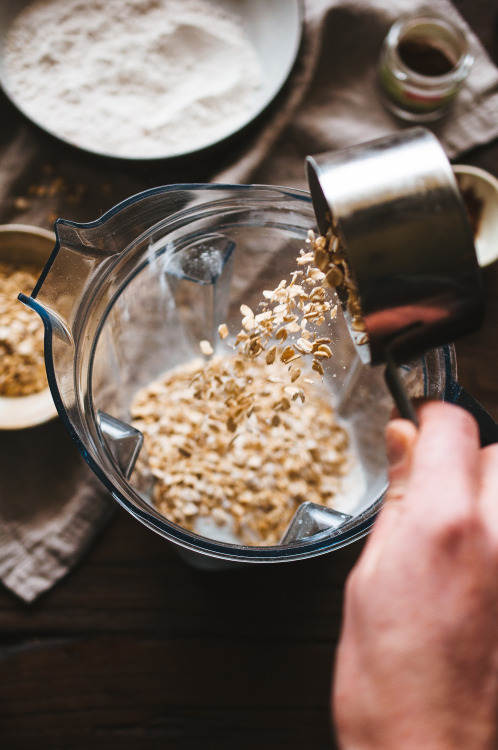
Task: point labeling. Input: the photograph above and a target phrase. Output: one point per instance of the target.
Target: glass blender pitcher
(130, 296)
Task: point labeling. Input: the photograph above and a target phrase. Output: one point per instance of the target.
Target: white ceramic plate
(484, 187)
(273, 26)
(32, 245)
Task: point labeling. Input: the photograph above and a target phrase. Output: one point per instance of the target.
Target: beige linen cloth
(333, 99)
(51, 506)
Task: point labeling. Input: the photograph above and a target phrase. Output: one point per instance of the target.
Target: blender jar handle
(488, 428)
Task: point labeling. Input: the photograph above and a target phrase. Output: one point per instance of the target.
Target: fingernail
(396, 443)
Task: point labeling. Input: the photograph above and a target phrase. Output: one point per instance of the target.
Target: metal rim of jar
(460, 70)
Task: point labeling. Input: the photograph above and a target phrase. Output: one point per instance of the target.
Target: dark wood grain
(138, 647)
(135, 649)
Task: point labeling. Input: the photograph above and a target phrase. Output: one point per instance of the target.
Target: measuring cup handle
(398, 391)
(488, 428)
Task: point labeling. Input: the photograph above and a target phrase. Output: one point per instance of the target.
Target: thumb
(401, 436)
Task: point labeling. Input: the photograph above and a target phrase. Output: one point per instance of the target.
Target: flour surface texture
(133, 78)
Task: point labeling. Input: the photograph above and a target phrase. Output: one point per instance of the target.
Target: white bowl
(274, 28)
(22, 244)
(483, 187)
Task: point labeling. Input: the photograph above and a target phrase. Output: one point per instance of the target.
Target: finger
(436, 480)
(401, 436)
(489, 487)
(445, 470)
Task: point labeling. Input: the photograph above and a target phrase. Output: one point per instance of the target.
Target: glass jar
(424, 62)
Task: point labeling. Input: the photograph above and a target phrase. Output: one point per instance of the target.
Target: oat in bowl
(25, 398)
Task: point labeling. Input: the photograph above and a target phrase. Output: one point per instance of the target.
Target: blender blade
(123, 441)
(310, 519)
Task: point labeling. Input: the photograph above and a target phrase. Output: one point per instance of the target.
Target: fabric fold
(334, 100)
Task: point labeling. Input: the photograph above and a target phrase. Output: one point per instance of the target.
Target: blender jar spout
(80, 256)
(71, 297)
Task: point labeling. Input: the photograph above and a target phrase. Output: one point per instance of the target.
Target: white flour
(135, 78)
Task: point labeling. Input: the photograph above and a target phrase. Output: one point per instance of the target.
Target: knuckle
(459, 532)
(395, 492)
(450, 419)
(435, 410)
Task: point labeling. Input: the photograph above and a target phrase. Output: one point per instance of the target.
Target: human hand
(417, 662)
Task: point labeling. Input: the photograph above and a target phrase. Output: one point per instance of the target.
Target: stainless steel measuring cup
(410, 248)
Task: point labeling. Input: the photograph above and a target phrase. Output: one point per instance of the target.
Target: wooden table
(137, 650)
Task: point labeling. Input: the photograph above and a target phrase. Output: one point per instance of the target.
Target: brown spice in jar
(424, 58)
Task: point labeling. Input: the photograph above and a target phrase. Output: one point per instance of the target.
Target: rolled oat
(22, 363)
(223, 437)
(250, 468)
